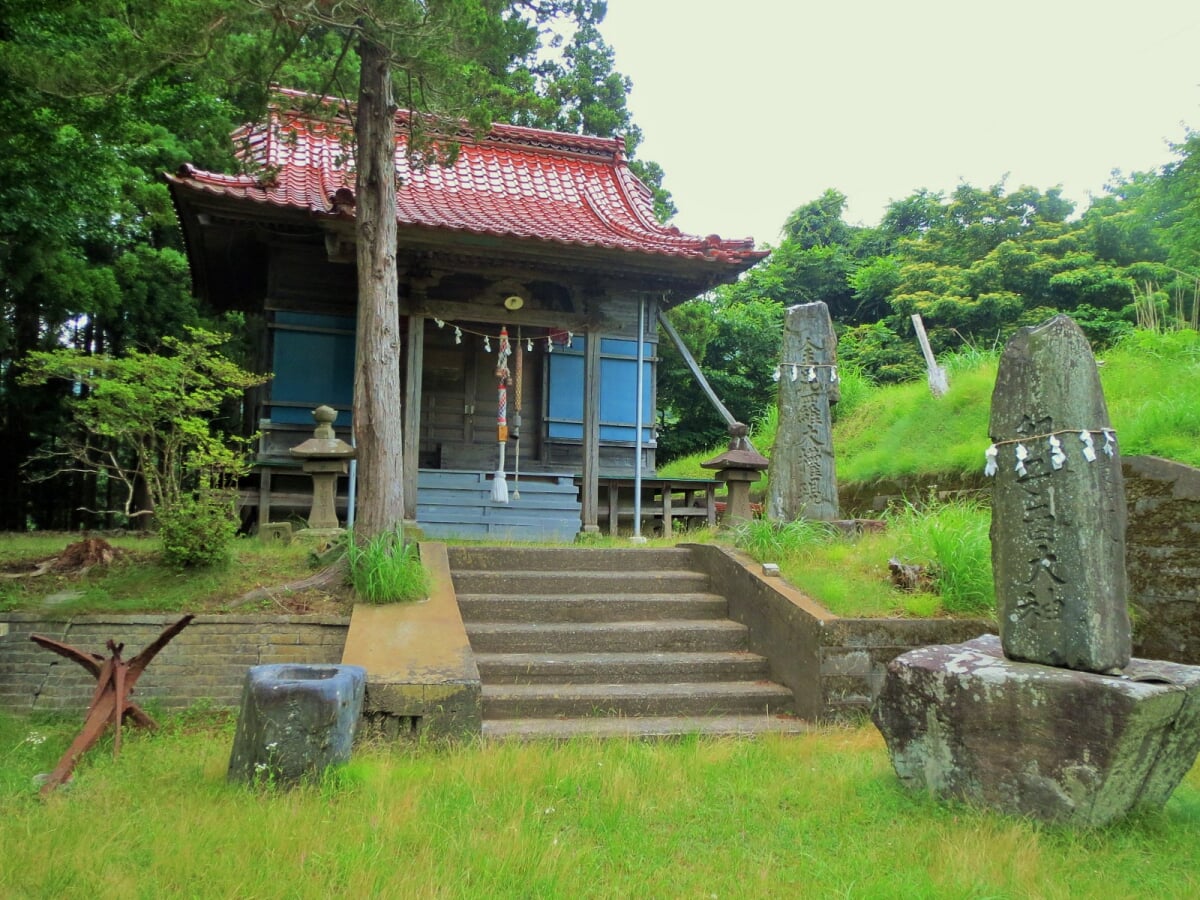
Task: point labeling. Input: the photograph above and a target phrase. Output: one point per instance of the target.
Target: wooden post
(415, 364)
(590, 491)
(938, 384)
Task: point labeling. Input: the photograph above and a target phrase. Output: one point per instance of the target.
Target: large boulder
(963, 721)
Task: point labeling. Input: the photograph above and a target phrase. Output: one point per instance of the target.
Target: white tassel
(1022, 455)
(529, 344)
(812, 373)
(1057, 457)
(457, 335)
(990, 455)
(795, 372)
(570, 339)
(1089, 448)
(775, 377)
(1110, 442)
(487, 344)
(499, 485)
(549, 345)
(440, 323)
(833, 376)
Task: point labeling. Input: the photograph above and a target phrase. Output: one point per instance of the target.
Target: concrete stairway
(609, 642)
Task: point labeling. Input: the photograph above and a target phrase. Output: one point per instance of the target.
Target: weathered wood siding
(458, 387)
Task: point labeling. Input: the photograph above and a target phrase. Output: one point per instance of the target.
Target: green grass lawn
(138, 581)
(816, 815)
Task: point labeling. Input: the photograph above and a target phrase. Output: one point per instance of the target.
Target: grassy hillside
(1151, 382)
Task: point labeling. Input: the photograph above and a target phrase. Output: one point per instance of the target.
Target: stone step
(607, 637)
(590, 607)
(611, 668)
(641, 727)
(511, 701)
(617, 581)
(602, 559)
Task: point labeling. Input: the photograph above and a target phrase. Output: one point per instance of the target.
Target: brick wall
(206, 661)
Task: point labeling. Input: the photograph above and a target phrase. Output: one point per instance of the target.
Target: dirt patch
(75, 559)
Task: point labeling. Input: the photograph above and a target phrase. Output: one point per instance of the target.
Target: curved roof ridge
(516, 181)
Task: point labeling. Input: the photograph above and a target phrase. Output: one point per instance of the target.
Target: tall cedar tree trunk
(377, 393)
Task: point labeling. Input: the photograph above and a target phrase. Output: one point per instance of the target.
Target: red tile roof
(514, 182)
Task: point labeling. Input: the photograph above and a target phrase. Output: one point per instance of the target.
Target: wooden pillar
(590, 495)
(414, 363)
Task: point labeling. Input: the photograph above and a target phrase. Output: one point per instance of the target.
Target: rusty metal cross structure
(110, 704)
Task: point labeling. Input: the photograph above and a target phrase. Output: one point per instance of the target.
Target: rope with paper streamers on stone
(1058, 455)
(810, 371)
(488, 337)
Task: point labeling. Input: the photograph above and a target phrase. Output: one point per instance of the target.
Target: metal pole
(352, 489)
(638, 413)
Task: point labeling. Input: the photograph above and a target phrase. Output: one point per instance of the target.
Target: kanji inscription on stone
(1058, 517)
(802, 480)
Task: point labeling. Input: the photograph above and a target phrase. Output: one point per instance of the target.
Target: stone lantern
(738, 467)
(325, 457)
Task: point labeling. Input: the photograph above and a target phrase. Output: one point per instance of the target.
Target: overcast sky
(755, 107)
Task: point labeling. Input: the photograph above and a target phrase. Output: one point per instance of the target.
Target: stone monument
(1054, 719)
(802, 482)
(1058, 505)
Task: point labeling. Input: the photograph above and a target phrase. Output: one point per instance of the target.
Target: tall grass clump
(1150, 382)
(951, 540)
(383, 569)
(769, 541)
(854, 387)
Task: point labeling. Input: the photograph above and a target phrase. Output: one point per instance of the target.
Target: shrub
(386, 570)
(197, 531)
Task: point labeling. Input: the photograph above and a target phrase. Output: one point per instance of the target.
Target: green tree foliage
(735, 342)
(573, 86)
(146, 422)
(98, 99)
(975, 264)
(101, 97)
(980, 262)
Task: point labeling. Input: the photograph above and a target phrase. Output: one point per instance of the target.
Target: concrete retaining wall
(834, 666)
(206, 661)
(1162, 558)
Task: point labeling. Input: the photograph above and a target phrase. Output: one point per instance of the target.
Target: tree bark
(377, 391)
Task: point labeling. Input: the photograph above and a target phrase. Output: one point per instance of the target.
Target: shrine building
(543, 237)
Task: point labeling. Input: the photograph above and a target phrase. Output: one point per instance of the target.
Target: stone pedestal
(1060, 745)
(295, 721)
(324, 474)
(737, 484)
